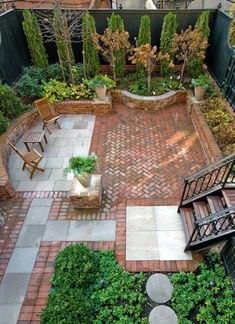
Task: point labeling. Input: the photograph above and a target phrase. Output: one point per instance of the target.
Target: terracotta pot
(199, 92)
(100, 92)
(84, 179)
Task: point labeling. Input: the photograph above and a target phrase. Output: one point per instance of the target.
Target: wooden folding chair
(46, 113)
(31, 160)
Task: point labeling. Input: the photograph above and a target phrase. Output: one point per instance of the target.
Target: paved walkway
(143, 158)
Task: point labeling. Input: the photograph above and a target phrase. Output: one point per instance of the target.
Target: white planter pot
(199, 92)
(100, 92)
(84, 179)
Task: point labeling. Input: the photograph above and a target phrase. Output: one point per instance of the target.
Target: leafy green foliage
(90, 56)
(221, 123)
(232, 34)
(167, 34)
(144, 36)
(34, 39)
(29, 87)
(101, 81)
(10, 105)
(58, 91)
(90, 287)
(3, 123)
(116, 23)
(81, 164)
(203, 24)
(203, 80)
(205, 296)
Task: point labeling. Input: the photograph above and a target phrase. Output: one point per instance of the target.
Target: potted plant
(201, 84)
(82, 167)
(101, 83)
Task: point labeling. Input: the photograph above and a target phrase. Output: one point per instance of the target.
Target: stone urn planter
(101, 83)
(201, 84)
(199, 93)
(101, 92)
(84, 179)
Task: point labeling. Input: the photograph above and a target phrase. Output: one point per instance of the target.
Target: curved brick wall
(13, 133)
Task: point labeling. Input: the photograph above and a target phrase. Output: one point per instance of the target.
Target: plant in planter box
(200, 85)
(82, 167)
(101, 83)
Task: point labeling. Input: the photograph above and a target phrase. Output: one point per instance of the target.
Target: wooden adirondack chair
(31, 160)
(46, 113)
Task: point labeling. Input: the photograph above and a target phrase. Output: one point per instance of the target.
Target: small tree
(167, 34)
(202, 26)
(115, 23)
(34, 39)
(110, 43)
(145, 55)
(91, 62)
(188, 44)
(144, 36)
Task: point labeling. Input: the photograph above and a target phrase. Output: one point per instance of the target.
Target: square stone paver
(80, 230)
(103, 230)
(65, 151)
(13, 288)
(22, 260)
(46, 185)
(63, 185)
(56, 231)
(27, 185)
(167, 218)
(54, 162)
(58, 174)
(140, 218)
(41, 202)
(142, 246)
(171, 245)
(42, 176)
(37, 215)
(9, 313)
(30, 236)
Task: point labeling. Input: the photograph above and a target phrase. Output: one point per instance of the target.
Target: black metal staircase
(207, 206)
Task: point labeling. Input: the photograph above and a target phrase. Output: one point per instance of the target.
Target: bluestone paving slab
(103, 230)
(140, 219)
(58, 174)
(13, 288)
(41, 202)
(159, 288)
(142, 246)
(54, 162)
(63, 185)
(80, 230)
(42, 176)
(45, 185)
(65, 151)
(167, 218)
(9, 313)
(27, 185)
(162, 315)
(22, 260)
(56, 231)
(30, 236)
(37, 215)
(171, 245)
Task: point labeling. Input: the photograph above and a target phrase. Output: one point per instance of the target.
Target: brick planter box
(94, 107)
(13, 133)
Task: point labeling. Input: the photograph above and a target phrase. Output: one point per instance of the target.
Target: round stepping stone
(163, 315)
(159, 288)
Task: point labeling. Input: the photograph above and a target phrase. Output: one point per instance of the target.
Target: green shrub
(90, 287)
(144, 36)
(90, 56)
(3, 123)
(10, 105)
(34, 39)
(116, 23)
(205, 296)
(29, 87)
(81, 164)
(168, 30)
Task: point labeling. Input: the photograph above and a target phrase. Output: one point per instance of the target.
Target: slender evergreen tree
(168, 31)
(34, 39)
(115, 23)
(91, 61)
(202, 25)
(144, 36)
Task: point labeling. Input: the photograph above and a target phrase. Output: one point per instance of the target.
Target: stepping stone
(159, 288)
(163, 315)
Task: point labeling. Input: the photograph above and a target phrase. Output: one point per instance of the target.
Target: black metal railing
(213, 226)
(209, 179)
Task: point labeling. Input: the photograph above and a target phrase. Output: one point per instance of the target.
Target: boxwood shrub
(90, 287)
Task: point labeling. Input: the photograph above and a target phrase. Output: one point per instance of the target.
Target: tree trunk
(149, 77)
(113, 66)
(182, 71)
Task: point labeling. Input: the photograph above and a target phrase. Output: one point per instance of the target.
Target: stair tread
(188, 220)
(215, 204)
(200, 208)
(229, 196)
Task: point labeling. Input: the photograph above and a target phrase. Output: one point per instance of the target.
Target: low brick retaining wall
(209, 145)
(94, 107)
(13, 133)
(153, 102)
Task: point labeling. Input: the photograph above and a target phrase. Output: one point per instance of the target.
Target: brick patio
(143, 158)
